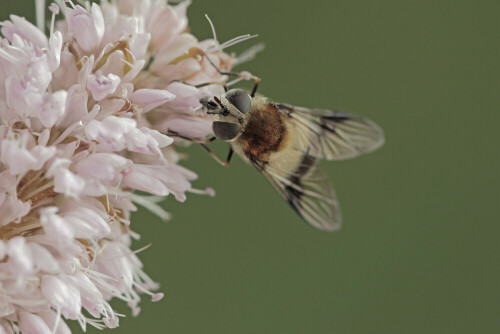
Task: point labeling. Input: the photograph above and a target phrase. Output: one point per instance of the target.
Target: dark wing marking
(308, 191)
(334, 135)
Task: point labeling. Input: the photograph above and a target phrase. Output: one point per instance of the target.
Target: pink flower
(151, 98)
(87, 28)
(33, 324)
(101, 86)
(83, 125)
(187, 97)
(51, 108)
(20, 158)
(65, 181)
(25, 30)
(62, 295)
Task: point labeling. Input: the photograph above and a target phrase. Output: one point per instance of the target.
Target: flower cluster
(85, 114)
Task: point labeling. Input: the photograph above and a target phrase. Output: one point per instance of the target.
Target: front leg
(205, 147)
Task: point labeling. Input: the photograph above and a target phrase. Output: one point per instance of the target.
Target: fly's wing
(307, 190)
(334, 135)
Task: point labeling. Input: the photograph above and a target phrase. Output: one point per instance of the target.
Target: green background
(419, 249)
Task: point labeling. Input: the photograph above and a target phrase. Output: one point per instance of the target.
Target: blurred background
(419, 249)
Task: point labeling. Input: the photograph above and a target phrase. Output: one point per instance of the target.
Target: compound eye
(240, 99)
(225, 130)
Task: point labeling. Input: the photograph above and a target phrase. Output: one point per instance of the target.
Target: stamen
(38, 190)
(219, 47)
(40, 14)
(155, 297)
(213, 29)
(58, 319)
(54, 8)
(149, 202)
(249, 54)
(208, 191)
(71, 3)
(7, 56)
(236, 40)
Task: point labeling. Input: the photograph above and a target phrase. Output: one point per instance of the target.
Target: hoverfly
(285, 143)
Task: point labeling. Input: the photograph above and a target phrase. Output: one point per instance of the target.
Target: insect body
(285, 142)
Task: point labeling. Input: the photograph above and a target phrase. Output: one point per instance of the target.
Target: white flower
(101, 86)
(149, 99)
(87, 28)
(83, 123)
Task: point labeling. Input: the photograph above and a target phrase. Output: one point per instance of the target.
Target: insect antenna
(224, 111)
(219, 102)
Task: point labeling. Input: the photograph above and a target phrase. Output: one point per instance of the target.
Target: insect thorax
(263, 132)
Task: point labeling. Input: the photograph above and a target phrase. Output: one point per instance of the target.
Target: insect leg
(194, 140)
(256, 84)
(220, 83)
(243, 75)
(216, 158)
(205, 147)
(223, 84)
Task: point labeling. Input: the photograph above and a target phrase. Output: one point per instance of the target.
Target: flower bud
(149, 99)
(88, 29)
(100, 86)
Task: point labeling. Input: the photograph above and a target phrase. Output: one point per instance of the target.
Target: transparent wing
(334, 135)
(308, 191)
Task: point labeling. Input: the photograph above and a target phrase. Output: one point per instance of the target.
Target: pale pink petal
(87, 28)
(92, 298)
(144, 178)
(110, 132)
(76, 102)
(3, 249)
(50, 318)
(186, 97)
(62, 295)
(52, 108)
(102, 166)
(134, 71)
(5, 327)
(13, 209)
(101, 86)
(67, 73)
(114, 262)
(41, 154)
(44, 137)
(148, 99)
(87, 224)
(54, 51)
(32, 324)
(65, 181)
(165, 24)
(176, 48)
(20, 256)
(24, 29)
(190, 126)
(43, 259)
(55, 227)
(160, 139)
(114, 64)
(22, 95)
(18, 160)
